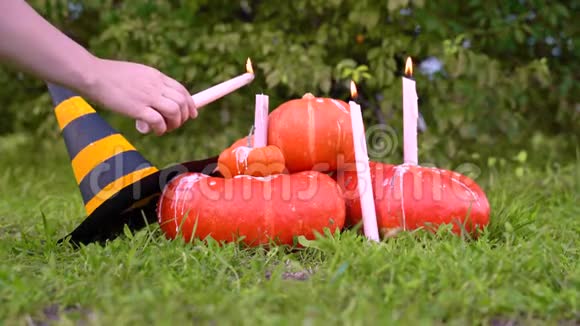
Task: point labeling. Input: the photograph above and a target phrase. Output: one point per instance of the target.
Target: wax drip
(243, 152)
(402, 190)
(183, 188)
(466, 188)
(339, 106)
(399, 172)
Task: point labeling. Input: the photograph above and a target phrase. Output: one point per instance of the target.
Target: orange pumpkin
(408, 197)
(312, 133)
(255, 209)
(241, 159)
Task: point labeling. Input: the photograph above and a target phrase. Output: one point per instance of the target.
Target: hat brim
(134, 205)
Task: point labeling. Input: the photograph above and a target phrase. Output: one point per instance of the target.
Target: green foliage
(509, 68)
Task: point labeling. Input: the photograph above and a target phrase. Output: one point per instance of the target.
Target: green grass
(525, 267)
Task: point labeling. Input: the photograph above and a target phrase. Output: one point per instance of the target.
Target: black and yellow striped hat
(117, 184)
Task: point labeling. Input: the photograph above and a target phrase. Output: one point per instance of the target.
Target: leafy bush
(491, 75)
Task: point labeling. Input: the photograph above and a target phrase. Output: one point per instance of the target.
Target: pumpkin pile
(303, 182)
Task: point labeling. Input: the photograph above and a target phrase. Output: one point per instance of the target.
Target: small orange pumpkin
(313, 133)
(240, 158)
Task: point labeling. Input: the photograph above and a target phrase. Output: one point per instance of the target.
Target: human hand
(140, 92)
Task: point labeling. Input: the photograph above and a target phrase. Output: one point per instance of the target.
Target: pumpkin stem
(250, 140)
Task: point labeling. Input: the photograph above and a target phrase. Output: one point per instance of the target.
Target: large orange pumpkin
(258, 210)
(313, 133)
(241, 159)
(408, 197)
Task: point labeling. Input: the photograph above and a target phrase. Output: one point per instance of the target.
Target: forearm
(30, 43)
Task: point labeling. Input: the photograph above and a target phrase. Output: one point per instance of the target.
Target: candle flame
(249, 68)
(409, 67)
(353, 91)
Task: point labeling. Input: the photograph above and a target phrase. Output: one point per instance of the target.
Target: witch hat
(118, 185)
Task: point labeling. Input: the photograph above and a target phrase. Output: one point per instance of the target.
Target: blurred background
(498, 81)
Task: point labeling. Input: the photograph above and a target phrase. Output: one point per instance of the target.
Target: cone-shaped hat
(117, 184)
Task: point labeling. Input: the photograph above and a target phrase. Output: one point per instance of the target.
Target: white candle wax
(213, 93)
(261, 121)
(365, 189)
(410, 116)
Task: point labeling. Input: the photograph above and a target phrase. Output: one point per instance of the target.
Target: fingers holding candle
(151, 119)
(172, 102)
(170, 111)
(196, 101)
(181, 101)
(181, 96)
(171, 105)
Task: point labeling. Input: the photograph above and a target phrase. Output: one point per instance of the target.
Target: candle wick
(250, 140)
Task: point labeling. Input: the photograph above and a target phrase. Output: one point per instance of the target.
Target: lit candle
(365, 189)
(261, 121)
(213, 93)
(410, 115)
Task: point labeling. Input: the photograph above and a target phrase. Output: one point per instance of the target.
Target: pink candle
(365, 189)
(213, 93)
(410, 116)
(261, 121)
